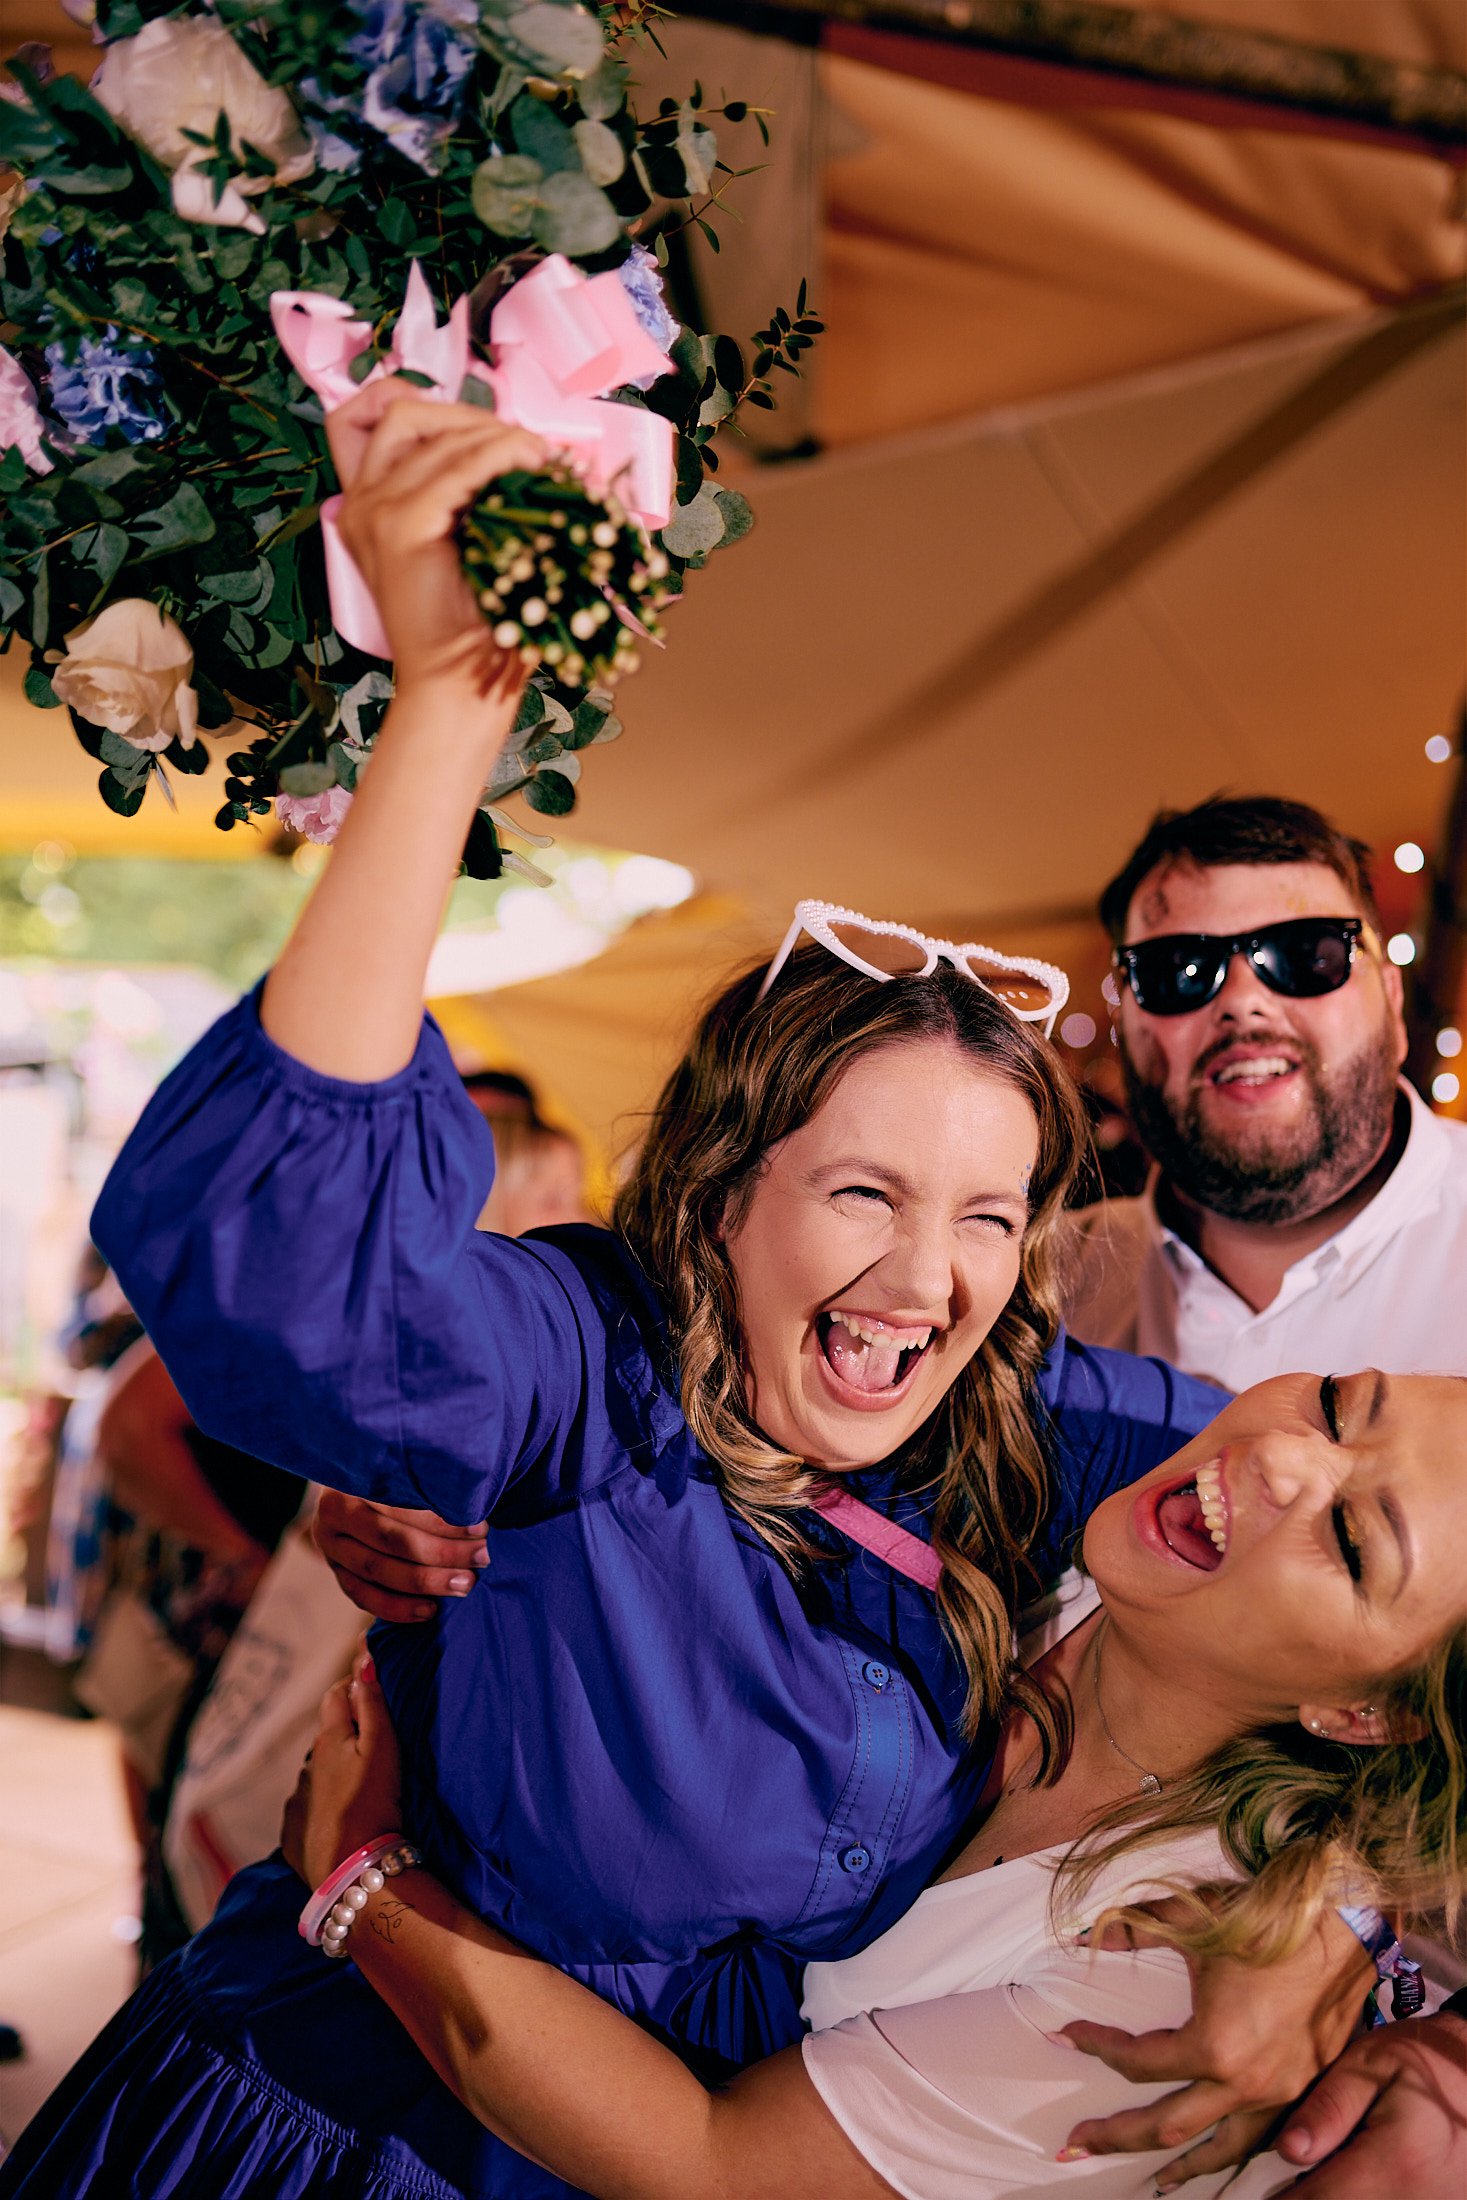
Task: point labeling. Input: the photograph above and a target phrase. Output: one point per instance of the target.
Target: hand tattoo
(387, 1919)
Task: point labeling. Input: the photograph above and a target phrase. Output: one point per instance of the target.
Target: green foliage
(213, 517)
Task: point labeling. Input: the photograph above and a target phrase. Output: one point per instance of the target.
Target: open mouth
(1193, 1520)
(1246, 1074)
(869, 1357)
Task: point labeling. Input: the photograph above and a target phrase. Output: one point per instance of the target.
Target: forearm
(159, 1480)
(540, 2060)
(346, 995)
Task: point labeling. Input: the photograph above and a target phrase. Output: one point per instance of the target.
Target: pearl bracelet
(332, 1910)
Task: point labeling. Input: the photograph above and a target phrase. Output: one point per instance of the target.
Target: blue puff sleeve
(302, 1251)
(1112, 1417)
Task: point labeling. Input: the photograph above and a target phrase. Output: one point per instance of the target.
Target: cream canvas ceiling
(1141, 475)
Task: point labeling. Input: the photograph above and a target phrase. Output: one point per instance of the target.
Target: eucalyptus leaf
(310, 778)
(567, 38)
(696, 527)
(603, 155)
(38, 688)
(250, 588)
(575, 218)
(183, 519)
(738, 516)
(125, 760)
(125, 796)
(697, 149)
(540, 133)
(41, 602)
(551, 792)
(603, 93)
(505, 193)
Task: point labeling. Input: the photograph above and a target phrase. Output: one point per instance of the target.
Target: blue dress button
(876, 1673)
(855, 1859)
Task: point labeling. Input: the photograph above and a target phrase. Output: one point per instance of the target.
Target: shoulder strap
(898, 1547)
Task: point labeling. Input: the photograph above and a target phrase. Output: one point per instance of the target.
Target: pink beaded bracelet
(328, 1916)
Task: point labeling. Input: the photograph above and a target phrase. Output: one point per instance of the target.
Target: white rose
(182, 74)
(128, 671)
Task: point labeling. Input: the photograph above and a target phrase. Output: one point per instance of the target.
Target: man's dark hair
(507, 1085)
(1260, 828)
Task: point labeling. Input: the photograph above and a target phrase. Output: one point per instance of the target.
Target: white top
(951, 2086)
(932, 2047)
(1385, 1291)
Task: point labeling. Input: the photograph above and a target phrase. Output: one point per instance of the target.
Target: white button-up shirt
(1389, 1290)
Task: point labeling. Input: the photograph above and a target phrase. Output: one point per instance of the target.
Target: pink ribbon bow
(560, 339)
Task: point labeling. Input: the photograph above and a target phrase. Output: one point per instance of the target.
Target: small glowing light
(1438, 749)
(1409, 857)
(1401, 948)
(1449, 1041)
(1078, 1030)
(1445, 1085)
(1110, 989)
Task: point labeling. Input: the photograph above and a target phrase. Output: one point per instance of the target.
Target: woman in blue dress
(691, 1731)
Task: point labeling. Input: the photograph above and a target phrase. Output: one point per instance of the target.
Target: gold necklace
(1150, 1784)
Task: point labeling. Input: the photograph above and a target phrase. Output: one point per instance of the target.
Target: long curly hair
(754, 1072)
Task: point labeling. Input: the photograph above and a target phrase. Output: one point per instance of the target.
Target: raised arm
(346, 995)
(293, 1215)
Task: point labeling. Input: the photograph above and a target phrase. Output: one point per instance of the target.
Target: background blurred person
(197, 1523)
(539, 1179)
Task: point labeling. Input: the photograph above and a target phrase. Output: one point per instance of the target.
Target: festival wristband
(328, 1915)
(1376, 1935)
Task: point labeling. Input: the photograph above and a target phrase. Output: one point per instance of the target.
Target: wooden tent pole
(1219, 60)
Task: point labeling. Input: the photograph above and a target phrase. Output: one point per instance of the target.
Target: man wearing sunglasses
(1305, 1206)
(1305, 1210)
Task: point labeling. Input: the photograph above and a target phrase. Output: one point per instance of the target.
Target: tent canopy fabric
(1138, 466)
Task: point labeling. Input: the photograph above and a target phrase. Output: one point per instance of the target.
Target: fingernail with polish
(460, 1584)
(1061, 2039)
(1073, 2154)
(481, 1556)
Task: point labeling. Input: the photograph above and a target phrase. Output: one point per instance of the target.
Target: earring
(1367, 1711)
(1316, 1726)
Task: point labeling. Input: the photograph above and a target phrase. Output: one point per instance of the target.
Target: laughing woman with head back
(1281, 1640)
(769, 1465)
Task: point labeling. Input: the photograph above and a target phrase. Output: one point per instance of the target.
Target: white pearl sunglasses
(1031, 990)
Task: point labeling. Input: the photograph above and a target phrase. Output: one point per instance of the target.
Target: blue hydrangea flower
(109, 383)
(418, 59)
(336, 154)
(641, 279)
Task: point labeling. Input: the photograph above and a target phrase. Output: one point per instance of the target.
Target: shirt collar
(1411, 1190)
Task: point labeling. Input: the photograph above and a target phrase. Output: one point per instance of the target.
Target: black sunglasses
(1303, 957)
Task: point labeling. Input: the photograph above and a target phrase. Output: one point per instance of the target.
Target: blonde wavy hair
(754, 1072)
(1311, 1823)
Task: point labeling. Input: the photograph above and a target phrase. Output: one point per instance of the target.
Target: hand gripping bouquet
(258, 206)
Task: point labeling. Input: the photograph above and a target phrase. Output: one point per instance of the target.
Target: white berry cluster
(554, 566)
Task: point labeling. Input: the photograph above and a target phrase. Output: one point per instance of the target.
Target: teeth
(1209, 1497)
(905, 1340)
(1257, 1069)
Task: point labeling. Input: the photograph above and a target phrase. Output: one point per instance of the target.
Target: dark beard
(1348, 1123)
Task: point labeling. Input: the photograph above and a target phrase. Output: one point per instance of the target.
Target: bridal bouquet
(260, 205)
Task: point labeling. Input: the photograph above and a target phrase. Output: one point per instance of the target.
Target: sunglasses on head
(1300, 958)
(1031, 990)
